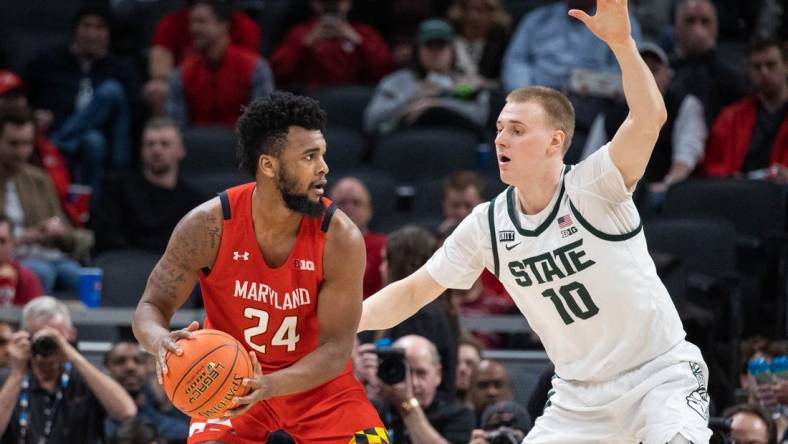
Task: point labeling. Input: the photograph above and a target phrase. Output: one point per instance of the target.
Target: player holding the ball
(280, 271)
(568, 245)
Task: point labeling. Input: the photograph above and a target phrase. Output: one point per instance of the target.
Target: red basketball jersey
(272, 311)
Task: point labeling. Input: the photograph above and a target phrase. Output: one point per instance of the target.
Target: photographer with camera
(415, 411)
(53, 393)
(504, 422)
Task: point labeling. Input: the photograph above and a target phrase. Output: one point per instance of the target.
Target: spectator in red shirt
(172, 41)
(18, 285)
(330, 51)
(213, 83)
(352, 197)
(750, 137)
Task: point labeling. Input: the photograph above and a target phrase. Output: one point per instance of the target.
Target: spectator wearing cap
(89, 94)
(329, 50)
(432, 92)
(214, 82)
(45, 154)
(750, 137)
(172, 41)
(504, 421)
(681, 143)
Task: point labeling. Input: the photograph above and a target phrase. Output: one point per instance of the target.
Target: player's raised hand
(610, 23)
(259, 387)
(168, 344)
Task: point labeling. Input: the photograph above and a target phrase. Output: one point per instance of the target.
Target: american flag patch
(564, 221)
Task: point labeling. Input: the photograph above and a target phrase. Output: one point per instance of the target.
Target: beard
(298, 202)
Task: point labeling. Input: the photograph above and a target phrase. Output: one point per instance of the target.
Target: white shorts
(650, 404)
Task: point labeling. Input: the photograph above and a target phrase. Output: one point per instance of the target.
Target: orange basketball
(203, 381)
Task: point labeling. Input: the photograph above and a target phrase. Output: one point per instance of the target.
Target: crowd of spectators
(92, 142)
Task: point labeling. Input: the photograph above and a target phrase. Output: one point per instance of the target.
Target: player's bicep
(192, 246)
(339, 306)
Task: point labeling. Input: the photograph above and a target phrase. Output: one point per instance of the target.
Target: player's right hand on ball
(167, 343)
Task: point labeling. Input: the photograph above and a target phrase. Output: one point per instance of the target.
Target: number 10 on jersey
(567, 293)
(285, 335)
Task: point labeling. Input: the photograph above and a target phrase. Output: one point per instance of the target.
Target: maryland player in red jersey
(280, 270)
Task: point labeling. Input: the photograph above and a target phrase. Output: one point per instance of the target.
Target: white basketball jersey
(594, 299)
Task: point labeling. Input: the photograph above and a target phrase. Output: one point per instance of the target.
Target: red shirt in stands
(27, 288)
(172, 32)
(330, 62)
(731, 137)
(272, 311)
(373, 281)
(215, 94)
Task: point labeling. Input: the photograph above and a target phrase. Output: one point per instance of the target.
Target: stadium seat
(707, 292)
(416, 154)
(345, 105)
(125, 276)
(209, 150)
(211, 184)
(756, 208)
(382, 189)
(345, 149)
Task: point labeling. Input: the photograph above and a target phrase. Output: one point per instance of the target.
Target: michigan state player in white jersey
(568, 245)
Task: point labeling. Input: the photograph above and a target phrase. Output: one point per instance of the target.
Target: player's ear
(267, 165)
(557, 142)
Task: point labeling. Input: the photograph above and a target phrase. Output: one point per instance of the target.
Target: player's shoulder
(201, 228)
(341, 230)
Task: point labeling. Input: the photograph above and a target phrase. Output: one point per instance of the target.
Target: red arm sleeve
(717, 162)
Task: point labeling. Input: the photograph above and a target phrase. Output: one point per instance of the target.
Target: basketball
(203, 381)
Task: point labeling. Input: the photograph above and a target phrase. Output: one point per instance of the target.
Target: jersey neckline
(512, 210)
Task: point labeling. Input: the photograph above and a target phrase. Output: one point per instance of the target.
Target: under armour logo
(244, 256)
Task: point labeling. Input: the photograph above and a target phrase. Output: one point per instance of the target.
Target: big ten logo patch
(304, 265)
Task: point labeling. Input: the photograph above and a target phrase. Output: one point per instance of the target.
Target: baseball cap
(653, 48)
(506, 413)
(435, 29)
(9, 81)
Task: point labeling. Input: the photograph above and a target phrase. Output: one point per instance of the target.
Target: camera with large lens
(391, 365)
(502, 436)
(44, 346)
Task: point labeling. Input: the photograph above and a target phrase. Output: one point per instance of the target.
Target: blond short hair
(557, 107)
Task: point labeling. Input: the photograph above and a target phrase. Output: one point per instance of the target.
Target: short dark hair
(263, 127)
(5, 220)
(222, 9)
(460, 180)
(761, 43)
(16, 116)
(407, 249)
(93, 8)
(760, 412)
(114, 347)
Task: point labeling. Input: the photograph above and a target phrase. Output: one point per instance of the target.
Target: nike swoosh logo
(509, 247)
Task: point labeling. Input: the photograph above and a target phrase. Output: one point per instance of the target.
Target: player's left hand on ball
(259, 390)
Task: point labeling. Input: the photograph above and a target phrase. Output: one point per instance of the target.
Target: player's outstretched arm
(399, 301)
(193, 246)
(634, 141)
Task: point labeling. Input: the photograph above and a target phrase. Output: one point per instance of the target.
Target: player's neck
(271, 214)
(536, 191)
